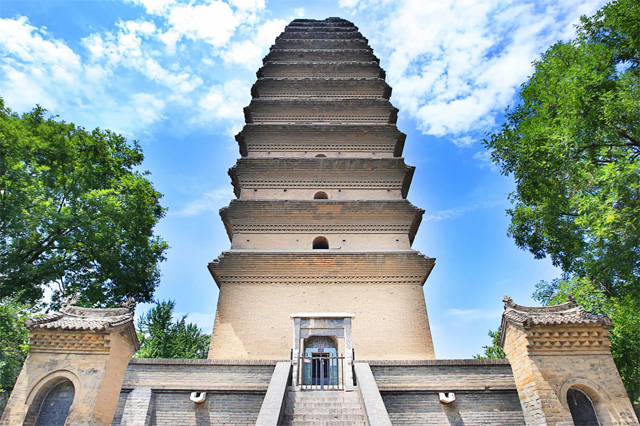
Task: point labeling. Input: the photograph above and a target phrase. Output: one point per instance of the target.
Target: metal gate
(321, 372)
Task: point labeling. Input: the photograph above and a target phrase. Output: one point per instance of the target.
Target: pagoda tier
(321, 35)
(318, 29)
(339, 140)
(407, 267)
(299, 178)
(321, 111)
(301, 88)
(293, 224)
(326, 44)
(320, 55)
(326, 69)
(312, 24)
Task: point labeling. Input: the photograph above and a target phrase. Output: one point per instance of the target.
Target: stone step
(324, 409)
(324, 418)
(322, 423)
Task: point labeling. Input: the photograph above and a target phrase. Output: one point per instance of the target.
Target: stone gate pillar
(82, 351)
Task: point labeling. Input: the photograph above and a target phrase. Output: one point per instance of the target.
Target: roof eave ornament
(129, 303)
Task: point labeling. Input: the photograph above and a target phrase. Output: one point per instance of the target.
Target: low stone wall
(235, 390)
(485, 392)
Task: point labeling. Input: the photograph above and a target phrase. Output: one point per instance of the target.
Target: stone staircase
(327, 408)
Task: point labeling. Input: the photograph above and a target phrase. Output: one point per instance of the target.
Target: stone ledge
(435, 362)
(169, 361)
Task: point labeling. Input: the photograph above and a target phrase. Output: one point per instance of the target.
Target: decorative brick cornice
(54, 341)
(593, 338)
(388, 173)
(397, 267)
(556, 328)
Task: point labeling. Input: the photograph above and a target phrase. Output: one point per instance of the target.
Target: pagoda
(321, 316)
(321, 229)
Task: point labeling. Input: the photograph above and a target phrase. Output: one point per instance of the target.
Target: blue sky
(175, 75)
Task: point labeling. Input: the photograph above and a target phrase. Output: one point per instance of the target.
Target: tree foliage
(493, 351)
(75, 214)
(161, 337)
(13, 341)
(573, 146)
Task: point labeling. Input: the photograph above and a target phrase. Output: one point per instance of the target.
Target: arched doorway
(320, 364)
(51, 406)
(582, 410)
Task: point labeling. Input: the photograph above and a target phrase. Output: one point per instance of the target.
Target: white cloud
(251, 51)
(463, 142)
(210, 201)
(214, 23)
(154, 6)
(484, 160)
(245, 53)
(36, 68)
(348, 3)
(225, 101)
(459, 211)
(467, 315)
(456, 65)
(148, 107)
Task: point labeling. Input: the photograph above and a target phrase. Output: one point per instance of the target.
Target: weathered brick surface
(544, 375)
(397, 329)
(469, 408)
(232, 409)
(485, 392)
(138, 408)
(198, 375)
(443, 375)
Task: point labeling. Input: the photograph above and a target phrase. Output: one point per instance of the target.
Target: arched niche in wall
(582, 409)
(50, 406)
(320, 243)
(320, 195)
(321, 156)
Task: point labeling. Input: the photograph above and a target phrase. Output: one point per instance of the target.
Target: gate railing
(321, 372)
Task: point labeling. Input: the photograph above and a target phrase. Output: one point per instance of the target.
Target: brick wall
(397, 329)
(235, 390)
(469, 408)
(485, 392)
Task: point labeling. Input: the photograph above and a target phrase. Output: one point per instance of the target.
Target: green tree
(493, 351)
(161, 337)
(75, 213)
(13, 341)
(573, 146)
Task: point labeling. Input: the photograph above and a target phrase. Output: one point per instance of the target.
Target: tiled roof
(566, 313)
(73, 317)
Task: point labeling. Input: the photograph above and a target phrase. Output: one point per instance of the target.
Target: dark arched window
(320, 196)
(581, 407)
(320, 243)
(54, 408)
(321, 156)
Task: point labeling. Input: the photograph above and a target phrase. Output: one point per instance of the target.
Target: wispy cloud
(467, 315)
(459, 211)
(455, 65)
(484, 160)
(210, 201)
